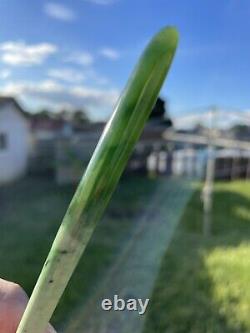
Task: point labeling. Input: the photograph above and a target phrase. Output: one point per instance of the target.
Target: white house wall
(13, 159)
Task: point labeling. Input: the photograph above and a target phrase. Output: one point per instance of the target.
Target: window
(3, 141)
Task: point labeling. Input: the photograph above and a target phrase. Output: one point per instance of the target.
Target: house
(14, 140)
(46, 128)
(73, 153)
(189, 162)
(232, 164)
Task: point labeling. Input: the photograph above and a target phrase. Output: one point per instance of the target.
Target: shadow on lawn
(183, 297)
(31, 210)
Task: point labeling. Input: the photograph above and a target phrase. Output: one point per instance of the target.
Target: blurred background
(177, 229)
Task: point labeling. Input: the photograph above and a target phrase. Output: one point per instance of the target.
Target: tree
(64, 115)
(241, 131)
(79, 119)
(159, 113)
(43, 114)
(159, 109)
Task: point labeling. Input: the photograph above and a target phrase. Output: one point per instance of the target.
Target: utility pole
(209, 179)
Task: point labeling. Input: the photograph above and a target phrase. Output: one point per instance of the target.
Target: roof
(93, 127)
(41, 122)
(11, 100)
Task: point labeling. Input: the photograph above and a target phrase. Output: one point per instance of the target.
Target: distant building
(73, 153)
(14, 140)
(232, 164)
(189, 162)
(46, 127)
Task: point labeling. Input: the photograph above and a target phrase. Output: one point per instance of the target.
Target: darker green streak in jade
(100, 179)
(115, 148)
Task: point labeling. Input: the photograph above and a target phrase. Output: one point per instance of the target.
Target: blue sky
(77, 53)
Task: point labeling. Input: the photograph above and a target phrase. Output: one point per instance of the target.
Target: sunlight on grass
(229, 269)
(243, 212)
(203, 285)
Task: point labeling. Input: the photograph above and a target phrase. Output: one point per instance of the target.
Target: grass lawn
(31, 212)
(204, 284)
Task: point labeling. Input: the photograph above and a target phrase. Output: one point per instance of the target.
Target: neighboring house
(189, 162)
(46, 129)
(152, 153)
(74, 152)
(232, 164)
(14, 140)
(229, 163)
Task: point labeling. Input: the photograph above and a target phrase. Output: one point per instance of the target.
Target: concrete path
(133, 274)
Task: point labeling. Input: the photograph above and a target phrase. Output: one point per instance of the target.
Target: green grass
(203, 284)
(31, 212)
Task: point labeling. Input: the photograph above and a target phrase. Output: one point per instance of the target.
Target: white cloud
(71, 75)
(93, 76)
(81, 58)
(20, 53)
(110, 53)
(4, 74)
(59, 11)
(102, 2)
(66, 74)
(54, 94)
(28, 88)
